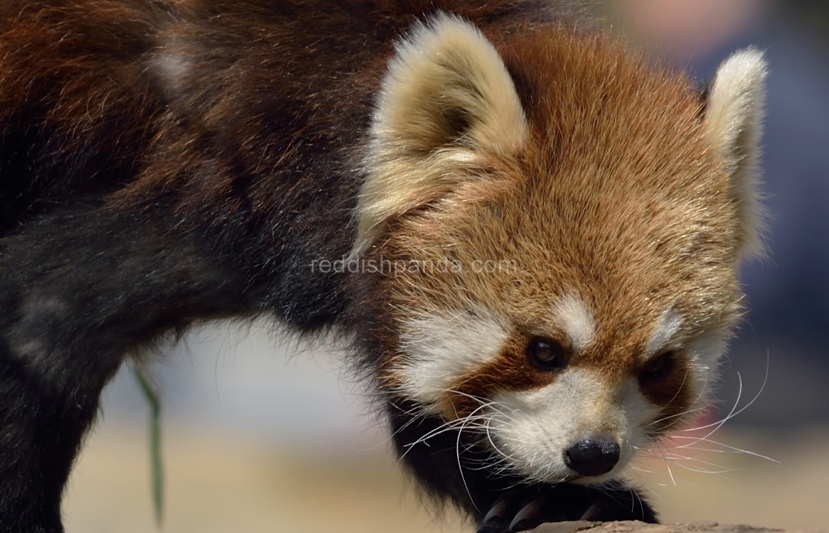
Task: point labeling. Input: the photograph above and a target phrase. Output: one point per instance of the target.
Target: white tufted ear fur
(733, 125)
(446, 98)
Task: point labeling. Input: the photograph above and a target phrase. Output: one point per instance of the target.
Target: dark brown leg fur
(78, 290)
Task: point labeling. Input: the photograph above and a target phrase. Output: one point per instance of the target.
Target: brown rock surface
(222, 481)
(641, 527)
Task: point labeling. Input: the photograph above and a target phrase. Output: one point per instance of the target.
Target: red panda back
(89, 89)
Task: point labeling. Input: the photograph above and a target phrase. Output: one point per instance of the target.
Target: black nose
(592, 457)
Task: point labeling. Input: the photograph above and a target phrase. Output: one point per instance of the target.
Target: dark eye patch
(525, 363)
(666, 381)
(658, 369)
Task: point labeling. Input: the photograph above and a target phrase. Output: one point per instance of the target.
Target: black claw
(525, 507)
(526, 517)
(497, 519)
(596, 512)
(494, 525)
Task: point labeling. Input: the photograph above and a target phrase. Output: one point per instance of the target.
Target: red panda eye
(658, 369)
(546, 354)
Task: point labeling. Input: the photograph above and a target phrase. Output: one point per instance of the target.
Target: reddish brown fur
(631, 213)
(86, 67)
(205, 154)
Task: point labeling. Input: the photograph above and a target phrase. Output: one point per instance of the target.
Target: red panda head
(557, 227)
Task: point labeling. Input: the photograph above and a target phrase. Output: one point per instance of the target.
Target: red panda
(528, 234)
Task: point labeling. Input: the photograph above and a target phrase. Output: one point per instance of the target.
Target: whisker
(733, 411)
(730, 449)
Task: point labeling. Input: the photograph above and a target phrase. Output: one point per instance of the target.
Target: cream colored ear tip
(428, 38)
(439, 21)
(748, 64)
(736, 96)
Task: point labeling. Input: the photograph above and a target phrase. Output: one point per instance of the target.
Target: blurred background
(261, 434)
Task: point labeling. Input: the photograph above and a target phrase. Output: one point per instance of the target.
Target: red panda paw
(525, 507)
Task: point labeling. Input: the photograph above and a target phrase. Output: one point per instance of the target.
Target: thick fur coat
(528, 235)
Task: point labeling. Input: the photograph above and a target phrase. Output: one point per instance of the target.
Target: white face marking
(533, 429)
(703, 354)
(443, 347)
(707, 349)
(576, 319)
(668, 326)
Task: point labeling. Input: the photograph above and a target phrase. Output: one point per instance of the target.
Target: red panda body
(528, 235)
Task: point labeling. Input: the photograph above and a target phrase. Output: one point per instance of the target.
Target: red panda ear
(445, 100)
(733, 124)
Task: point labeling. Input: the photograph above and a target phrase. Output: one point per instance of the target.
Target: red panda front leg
(78, 291)
(527, 506)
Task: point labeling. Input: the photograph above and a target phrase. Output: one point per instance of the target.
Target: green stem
(157, 470)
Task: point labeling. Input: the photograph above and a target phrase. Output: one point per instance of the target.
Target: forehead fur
(615, 198)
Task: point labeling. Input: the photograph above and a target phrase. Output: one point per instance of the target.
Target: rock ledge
(641, 527)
